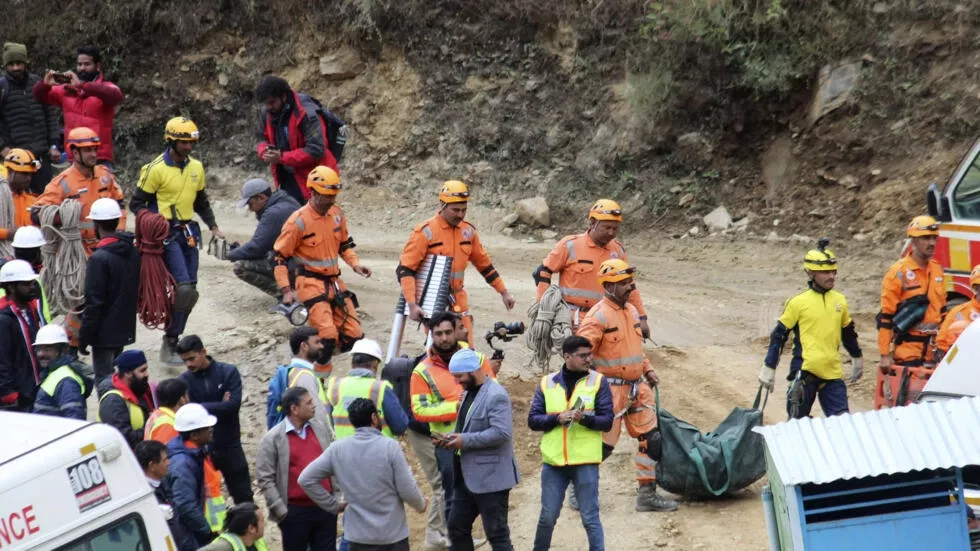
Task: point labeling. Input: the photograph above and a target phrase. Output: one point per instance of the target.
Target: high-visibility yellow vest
(161, 417)
(136, 418)
(51, 382)
(341, 391)
(574, 444)
(297, 371)
(238, 545)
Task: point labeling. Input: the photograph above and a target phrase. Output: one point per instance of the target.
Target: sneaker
(436, 542)
(479, 542)
(647, 499)
(572, 500)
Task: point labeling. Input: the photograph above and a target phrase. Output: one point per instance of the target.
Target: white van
(71, 485)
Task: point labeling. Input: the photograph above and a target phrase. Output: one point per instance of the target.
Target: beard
(87, 76)
(139, 386)
(17, 76)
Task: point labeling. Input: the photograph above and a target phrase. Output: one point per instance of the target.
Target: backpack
(336, 129)
(277, 385)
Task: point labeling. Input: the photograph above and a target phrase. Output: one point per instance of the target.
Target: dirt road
(712, 302)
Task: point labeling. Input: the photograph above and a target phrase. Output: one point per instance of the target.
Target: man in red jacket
(292, 137)
(86, 99)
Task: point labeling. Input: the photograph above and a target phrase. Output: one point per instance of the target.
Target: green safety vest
(295, 372)
(574, 444)
(51, 382)
(136, 417)
(238, 545)
(341, 391)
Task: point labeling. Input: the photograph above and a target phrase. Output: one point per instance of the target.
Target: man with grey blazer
(484, 464)
(284, 452)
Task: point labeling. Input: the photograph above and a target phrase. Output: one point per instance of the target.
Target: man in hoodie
(253, 261)
(87, 99)
(64, 386)
(112, 278)
(21, 316)
(152, 457)
(125, 400)
(187, 453)
(25, 122)
(218, 387)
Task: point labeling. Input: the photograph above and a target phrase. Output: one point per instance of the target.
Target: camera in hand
(61, 78)
(505, 332)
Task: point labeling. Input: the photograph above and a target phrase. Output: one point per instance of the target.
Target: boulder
(534, 212)
(694, 150)
(718, 219)
(341, 65)
(834, 87)
(506, 221)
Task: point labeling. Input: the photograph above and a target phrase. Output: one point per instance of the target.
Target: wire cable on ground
(63, 257)
(551, 324)
(7, 219)
(157, 287)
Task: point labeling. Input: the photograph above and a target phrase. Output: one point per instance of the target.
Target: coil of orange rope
(157, 286)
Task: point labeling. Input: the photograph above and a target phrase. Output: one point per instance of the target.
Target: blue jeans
(181, 260)
(444, 459)
(832, 394)
(554, 481)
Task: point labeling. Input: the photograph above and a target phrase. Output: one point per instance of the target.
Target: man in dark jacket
(187, 453)
(65, 383)
(218, 387)
(112, 279)
(152, 457)
(21, 317)
(292, 137)
(125, 401)
(25, 122)
(254, 260)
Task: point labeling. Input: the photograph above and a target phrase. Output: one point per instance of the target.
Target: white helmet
(17, 271)
(369, 347)
(191, 417)
(51, 333)
(29, 237)
(105, 209)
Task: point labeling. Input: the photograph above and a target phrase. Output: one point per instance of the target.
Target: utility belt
(340, 296)
(190, 230)
(634, 385)
(905, 337)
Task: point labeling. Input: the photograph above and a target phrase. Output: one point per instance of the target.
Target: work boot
(168, 351)
(647, 499)
(572, 500)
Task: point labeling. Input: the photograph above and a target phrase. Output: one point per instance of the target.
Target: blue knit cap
(130, 360)
(464, 361)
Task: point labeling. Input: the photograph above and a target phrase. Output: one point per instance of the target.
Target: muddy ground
(712, 303)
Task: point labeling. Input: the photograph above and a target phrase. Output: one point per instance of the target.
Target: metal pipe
(397, 331)
(769, 509)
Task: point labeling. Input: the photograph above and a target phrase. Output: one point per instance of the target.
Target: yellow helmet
(922, 226)
(21, 160)
(181, 129)
(454, 191)
(324, 180)
(82, 136)
(975, 275)
(615, 270)
(606, 209)
(820, 260)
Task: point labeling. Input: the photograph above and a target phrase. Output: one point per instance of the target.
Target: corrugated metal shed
(932, 435)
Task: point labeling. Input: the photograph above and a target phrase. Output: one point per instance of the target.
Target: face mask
(88, 76)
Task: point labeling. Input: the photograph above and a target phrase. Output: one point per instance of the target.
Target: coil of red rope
(157, 286)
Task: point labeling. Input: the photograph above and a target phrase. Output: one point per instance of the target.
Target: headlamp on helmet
(820, 259)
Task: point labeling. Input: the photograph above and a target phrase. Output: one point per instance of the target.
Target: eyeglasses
(582, 355)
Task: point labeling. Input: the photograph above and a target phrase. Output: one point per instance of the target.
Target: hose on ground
(157, 287)
(7, 219)
(63, 257)
(551, 324)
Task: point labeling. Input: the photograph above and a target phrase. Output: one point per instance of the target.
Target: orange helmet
(454, 191)
(21, 160)
(606, 209)
(83, 137)
(615, 270)
(324, 180)
(922, 226)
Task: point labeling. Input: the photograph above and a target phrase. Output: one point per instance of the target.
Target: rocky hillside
(803, 117)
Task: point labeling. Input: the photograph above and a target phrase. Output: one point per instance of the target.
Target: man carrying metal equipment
(315, 237)
(448, 234)
(820, 321)
(614, 330)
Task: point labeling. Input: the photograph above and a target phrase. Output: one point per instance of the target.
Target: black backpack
(336, 138)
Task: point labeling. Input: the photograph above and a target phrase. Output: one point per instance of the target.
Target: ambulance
(70, 485)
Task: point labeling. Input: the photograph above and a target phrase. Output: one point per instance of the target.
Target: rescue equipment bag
(909, 313)
(703, 465)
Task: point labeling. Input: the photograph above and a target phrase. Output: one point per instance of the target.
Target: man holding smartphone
(574, 405)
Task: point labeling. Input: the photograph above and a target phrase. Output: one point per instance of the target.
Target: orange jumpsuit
(72, 184)
(316, 243)
(968, 311)
(617, 348)
(903, 280)
(22, 216)
(576, 259)
(436, 236)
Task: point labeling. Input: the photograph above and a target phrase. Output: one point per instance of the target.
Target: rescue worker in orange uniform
(912, 292)
(314, 237)
(576, 259)
(966, 312)
(86, 181)
(613, 328)
(448, 234)
(20, 165)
